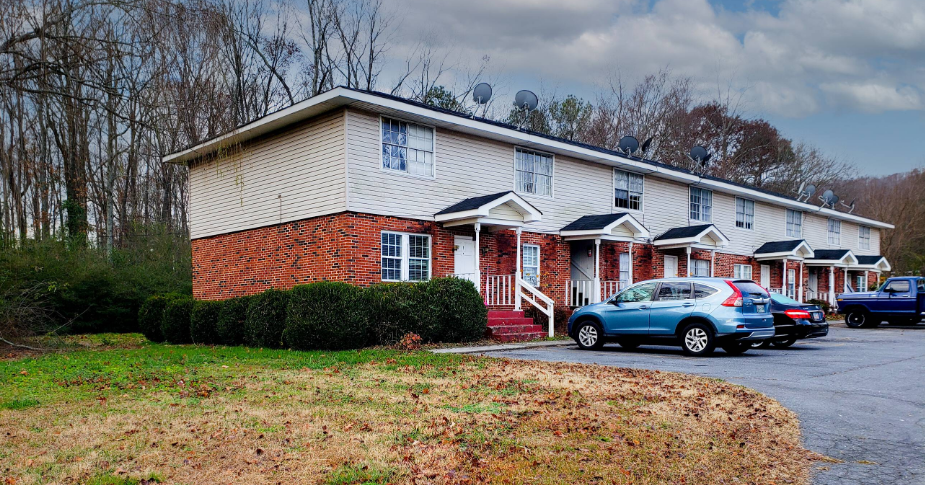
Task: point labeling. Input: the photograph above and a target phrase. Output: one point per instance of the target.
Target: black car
(793, 321)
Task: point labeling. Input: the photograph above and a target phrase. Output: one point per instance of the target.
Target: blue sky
(845, 75)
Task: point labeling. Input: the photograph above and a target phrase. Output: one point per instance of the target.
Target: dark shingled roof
(869, 259)
(473, 203)
(682, 232)
(590, 223)
(830, 253)
(778, 246)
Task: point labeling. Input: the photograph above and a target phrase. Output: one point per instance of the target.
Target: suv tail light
(797, 314)
(735, 299)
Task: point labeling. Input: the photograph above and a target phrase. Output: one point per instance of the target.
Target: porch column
(631, 264)
(800, 289)
(478, 268)
(783, 280)
(596, 281)
(712, 263)
(517, 275)
(831, 285)
(688, 270)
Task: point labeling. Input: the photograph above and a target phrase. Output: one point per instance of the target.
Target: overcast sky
(848, 76)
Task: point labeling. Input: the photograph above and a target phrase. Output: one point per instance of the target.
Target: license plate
(760, 308)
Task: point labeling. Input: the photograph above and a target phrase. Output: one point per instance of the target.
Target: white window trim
(539, 260)
(552, 178)
(701, 262)
(689, 218)
(736, 208)
(642, 196)
(402, 173)
(740, 276)
(406, 256)
(830, 232)
(802, 220)
(861, 246)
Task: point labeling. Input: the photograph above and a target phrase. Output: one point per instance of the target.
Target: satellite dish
(526, 99)
(481, 93)
(628, 144)
(645, 144)
(810, 191)
(700, 155)
(850, 206)
(806, 191)
(829, 198)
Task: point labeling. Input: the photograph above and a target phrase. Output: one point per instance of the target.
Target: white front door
(671, 266)
(464, 258)
(766, 276)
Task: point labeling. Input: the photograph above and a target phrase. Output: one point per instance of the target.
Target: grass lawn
(129, 411)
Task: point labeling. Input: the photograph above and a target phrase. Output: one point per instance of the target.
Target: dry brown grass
(465, 420)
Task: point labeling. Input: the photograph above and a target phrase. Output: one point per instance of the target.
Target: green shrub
(452, 311)
(327, 315)
(175, 326)
(231, 320)
(204, 322)
(266, 319)
(150, 316)
(393, 310)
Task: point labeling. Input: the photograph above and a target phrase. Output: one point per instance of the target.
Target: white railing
(811, 295)
(579, 293)
(532, 295)
(610, 288)
(499, 290)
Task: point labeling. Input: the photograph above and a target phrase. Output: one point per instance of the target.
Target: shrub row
(322, 316)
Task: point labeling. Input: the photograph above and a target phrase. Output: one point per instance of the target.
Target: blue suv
(698, 314)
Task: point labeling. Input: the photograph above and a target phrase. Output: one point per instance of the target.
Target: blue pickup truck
(900, 301)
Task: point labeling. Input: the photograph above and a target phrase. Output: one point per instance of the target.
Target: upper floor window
(627, 190)
(405, 257)
(834, 232)
(745, 213)
(533, 172)
(864, 237)
(407, 147)
(701, 204)
(794, 223)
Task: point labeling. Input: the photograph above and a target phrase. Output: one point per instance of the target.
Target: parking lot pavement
(860, 393)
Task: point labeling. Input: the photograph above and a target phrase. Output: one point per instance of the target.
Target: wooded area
(93, 92)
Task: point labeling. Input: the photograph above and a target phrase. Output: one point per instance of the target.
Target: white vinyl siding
(745, 213)
(863, 237)
(627, 190)
(701, 204)
(297, 173)
(405, 257)
(794, 223)
(407, 147)
(701, 267)
(533, 172)
(742, 272)
(834, 232)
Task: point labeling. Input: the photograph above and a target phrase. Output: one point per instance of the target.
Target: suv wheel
(589, 336)
(697, 340)
(858, 319)
(784, 343)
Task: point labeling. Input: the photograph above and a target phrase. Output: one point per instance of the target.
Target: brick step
(499, 322)
(505, 313)
(507, 329)
(519, 337)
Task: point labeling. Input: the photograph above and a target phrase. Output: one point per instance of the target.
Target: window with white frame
(627, 190)
(405, 257)
(791, 283)
(407, 147)
(794, 223)
(533, 172)
(742, 271)
(863, 237)
(624, 266)
(701, 267)
(745, 213)
(862, 282)
(701, 204)
(834, 232)
(531, 264)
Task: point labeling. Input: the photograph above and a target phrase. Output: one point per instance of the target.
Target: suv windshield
(637, 293)
(750, 288)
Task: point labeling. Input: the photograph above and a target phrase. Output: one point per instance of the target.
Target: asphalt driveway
(860, 393)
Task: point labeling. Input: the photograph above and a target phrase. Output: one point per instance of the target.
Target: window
(898, 286)
(745, 213)
(742, 271)
(791, 283)
(862, 282)
(701, 204)
(674, 291)
(407, 147)
(703, 291)
(638, 293)
(627, 190)
(405, 257)
(701, 267)
(531, 264)
(533, 172)
(834, 232)
(794, 223)
(624, 266)
(864, 237)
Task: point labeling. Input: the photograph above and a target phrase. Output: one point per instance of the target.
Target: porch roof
(795, 249)
(615, 227)
(872, 263)
(832, 257)
(503, 209)
(705, 236)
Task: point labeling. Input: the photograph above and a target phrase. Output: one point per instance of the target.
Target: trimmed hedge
(175, 325)
(453, 311)
(150, 316)
(327, 315)
(231, 320)
(266, 319)
(204, 322)
(394, 310)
